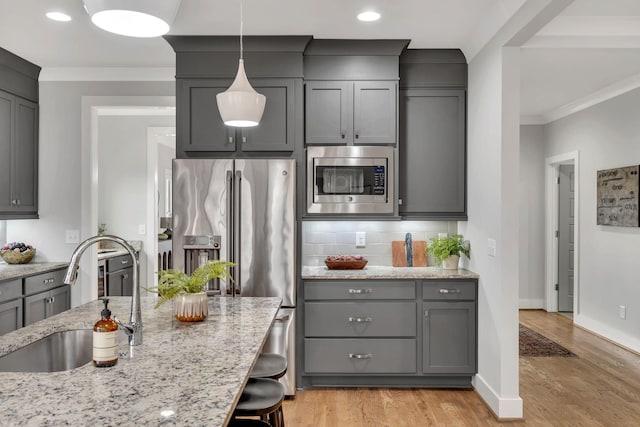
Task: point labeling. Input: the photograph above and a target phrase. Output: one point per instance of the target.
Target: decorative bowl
(346, 265)
(11, 257)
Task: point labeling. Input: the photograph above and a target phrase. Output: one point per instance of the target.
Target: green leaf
(443, 248)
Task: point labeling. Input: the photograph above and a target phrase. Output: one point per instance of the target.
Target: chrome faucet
(134, 328)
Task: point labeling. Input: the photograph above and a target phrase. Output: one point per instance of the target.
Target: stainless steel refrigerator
(242, 210)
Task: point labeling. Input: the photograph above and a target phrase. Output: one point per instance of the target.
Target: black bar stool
(262, 397)
(269, 365)
(244, 422)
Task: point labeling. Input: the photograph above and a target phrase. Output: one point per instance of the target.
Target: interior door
(566, 209)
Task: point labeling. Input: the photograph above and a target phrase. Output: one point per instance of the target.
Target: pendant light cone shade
(241, 105)
(133, 18)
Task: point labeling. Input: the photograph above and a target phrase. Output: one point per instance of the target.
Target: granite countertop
(11, 271)
(386, 272)
(195, 370)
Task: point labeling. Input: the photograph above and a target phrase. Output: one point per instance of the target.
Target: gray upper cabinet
(18, 137)
(18, 157)
(432, 170)
(201, 129)
(206, 66)
(432, 144)
(347, 112)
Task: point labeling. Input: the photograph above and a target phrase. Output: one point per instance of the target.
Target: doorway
(562, 220)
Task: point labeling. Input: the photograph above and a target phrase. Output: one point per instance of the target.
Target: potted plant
(188, 290)
(447, 250)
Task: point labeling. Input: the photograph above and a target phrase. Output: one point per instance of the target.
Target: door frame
(552, 167)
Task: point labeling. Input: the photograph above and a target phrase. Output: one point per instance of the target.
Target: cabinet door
(328, 112)
(36, 308)
(449, 337)
(375, 113)
(114, 284)
(60, 300)
(10, 316)
(198, 123)
(276, 129)
(25, 172)
(432, 153)
(7, 130)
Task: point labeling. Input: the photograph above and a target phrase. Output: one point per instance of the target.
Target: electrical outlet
(72, 236)
(623, 312)
(491, 247)
(361, 239)
(142, 229)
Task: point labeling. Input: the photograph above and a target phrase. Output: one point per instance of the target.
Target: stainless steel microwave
(350, 180)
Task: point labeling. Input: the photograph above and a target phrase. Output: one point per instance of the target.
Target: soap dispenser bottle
(105, 339)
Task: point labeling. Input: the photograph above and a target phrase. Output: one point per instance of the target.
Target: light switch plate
(491, 247)
(72, 236)
(142, 229)
(361, 239)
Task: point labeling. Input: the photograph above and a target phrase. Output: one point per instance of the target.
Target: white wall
(532, 205)
(607, 136)
(322, 238)
(122, 176)
(60, 162)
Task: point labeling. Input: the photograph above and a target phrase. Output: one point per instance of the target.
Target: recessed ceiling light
(58, 16)
(369, 16)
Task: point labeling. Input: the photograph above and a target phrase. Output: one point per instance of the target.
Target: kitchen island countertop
(386, 272)
(182, 374)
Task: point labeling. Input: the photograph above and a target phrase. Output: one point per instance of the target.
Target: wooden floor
(601, 387)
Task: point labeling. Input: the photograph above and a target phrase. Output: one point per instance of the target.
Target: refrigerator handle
(237, 210)
(230, 224)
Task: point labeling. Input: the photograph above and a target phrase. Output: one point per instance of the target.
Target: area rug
(532, 344)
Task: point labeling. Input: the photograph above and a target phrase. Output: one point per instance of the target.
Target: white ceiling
(590, 49)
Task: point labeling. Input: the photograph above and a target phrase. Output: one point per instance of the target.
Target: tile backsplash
(322, 238)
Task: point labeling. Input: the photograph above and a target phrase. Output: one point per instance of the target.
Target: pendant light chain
(241, 21)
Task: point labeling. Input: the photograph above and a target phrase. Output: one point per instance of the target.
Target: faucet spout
(134, 327)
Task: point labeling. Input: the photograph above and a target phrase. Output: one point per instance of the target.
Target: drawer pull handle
(449, 291)
(361, 291)
(124, 262)
(360, 355)
(47, 281)
(360, 319)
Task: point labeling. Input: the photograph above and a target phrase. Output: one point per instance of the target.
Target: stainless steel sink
(59, 351)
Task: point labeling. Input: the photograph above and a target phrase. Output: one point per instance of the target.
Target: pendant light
(241, 105)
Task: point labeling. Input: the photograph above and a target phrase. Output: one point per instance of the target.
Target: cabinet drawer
(118, 263)
(10, 289)
(43, 282)
(359, 289)
(360, 319)
(449, 290)
(357, 356)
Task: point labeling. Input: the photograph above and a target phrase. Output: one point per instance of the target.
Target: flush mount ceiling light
(58, 16)
(139, 18)
(368, 16)
(241, 105)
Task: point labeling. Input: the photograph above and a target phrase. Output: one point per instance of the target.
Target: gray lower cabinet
(18, 157)
(389, 333)
(449, 333)
(10, 305)
(351, 112)
(119, 276)
(432, 154)
(45, 296)
(201, 129)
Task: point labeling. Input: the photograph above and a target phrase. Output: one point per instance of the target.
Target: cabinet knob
(426, 313)
(244, 139)
(230, 140)
(357, 135)
(343, 134)
(125, 276)
(400, 202)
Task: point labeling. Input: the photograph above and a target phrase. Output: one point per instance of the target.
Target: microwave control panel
(379, 177)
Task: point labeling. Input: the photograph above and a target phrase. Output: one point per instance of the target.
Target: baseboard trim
(502, 408)
(605, 332)
(529, 304)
